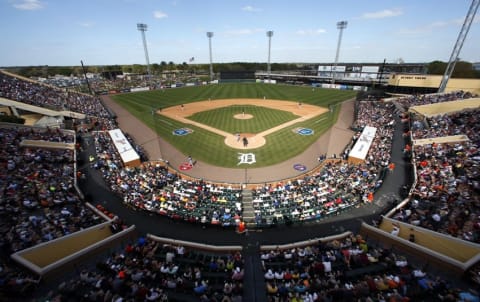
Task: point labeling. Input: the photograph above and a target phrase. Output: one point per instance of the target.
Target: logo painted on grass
(246, 158)
(303, 131)
(300, 167)
(182, 131)
(185, 166)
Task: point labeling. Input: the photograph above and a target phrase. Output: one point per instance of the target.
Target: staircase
(248, 212)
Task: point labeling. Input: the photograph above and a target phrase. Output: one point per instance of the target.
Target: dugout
(359, 151)
(128, 154)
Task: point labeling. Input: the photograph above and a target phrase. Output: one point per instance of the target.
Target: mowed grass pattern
(224, 118)
(209, 147)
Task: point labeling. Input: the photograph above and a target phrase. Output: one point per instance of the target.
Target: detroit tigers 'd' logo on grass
(303, 131)
(182, 131)
(246, 158)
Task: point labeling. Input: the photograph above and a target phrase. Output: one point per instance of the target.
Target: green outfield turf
(263, 118)
(209, 147)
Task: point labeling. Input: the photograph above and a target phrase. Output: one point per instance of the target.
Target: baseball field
(216, 123)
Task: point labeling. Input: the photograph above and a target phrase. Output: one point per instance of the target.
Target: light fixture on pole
(143, 28)
(210, 35)
(269, 35)
(341, 26)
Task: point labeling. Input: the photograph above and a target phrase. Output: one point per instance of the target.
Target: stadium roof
(40, 110)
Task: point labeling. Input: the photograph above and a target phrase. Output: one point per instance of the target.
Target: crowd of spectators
(125, 83)
(457, 123)
(352, 269)
(36, 94)
(39, 201)
(152, 187)
(191, 203)
(47, 96)
(426, 99)
(446, 196)
(147, 270)
(381, 116)
(338, 185)
(349, 269)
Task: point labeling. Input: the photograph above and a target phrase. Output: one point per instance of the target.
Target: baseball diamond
(229, 118)
(257, 140)
(203, 170)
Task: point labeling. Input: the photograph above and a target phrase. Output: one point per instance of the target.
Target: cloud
(28, 4)
(427, 28)
(158, 14)
(250, 8)
(412, 31)
(386, 13)
(86, 24)
(310, 32)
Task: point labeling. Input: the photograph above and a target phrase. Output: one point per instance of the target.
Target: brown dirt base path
(332, 142)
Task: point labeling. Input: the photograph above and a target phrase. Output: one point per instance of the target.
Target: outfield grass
(209, 147)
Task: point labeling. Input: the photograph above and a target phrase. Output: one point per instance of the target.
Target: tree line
(155, 68)
(462, 69)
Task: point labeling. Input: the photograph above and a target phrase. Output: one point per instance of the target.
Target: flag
(191, 59)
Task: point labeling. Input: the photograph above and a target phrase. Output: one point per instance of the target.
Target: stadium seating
(40, 203)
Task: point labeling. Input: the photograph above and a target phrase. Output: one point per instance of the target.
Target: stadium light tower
(143, 28)
(459, 44)
(269, 35)
(341, 26)
(210, 35)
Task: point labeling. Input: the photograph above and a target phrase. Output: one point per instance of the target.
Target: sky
(104, 32)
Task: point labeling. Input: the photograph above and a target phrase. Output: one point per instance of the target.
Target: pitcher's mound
(243, 116)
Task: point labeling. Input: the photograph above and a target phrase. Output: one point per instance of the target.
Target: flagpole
(190, 61)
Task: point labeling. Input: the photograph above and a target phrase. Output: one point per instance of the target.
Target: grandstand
(325, 235)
